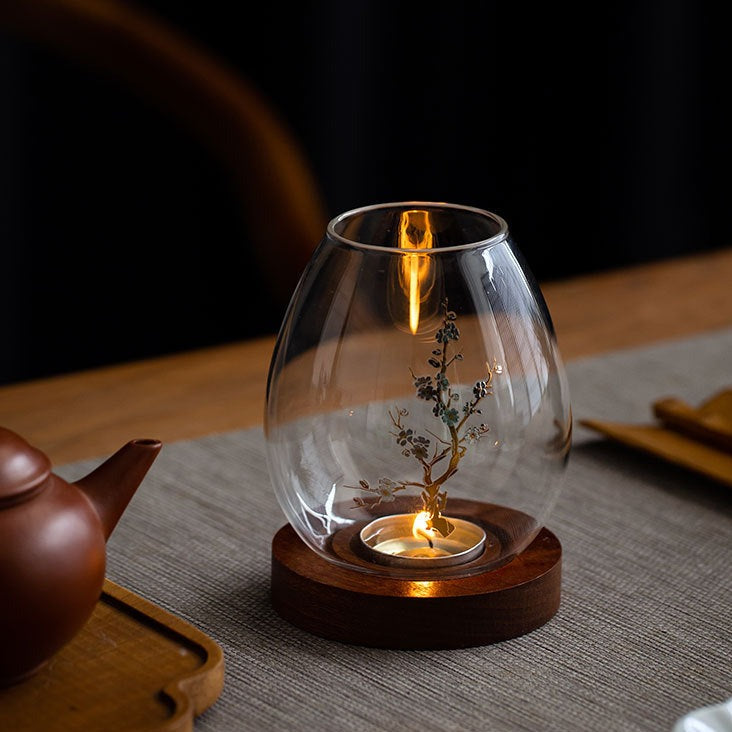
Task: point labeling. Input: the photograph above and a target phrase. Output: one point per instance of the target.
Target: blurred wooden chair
(281, 202)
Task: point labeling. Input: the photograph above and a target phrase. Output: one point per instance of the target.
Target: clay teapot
(53, 546)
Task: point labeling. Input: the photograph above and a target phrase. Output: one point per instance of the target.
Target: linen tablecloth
(642, 636)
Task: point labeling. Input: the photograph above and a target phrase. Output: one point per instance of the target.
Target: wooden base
(352, 606)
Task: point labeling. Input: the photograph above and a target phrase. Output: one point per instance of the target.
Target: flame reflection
(418, 588)
(416, 276)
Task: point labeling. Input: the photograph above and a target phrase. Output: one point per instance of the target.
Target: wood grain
(218, 389)
(133, 666)
(639, 305)
(351, 606)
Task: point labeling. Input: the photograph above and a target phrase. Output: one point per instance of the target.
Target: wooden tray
(697, 439)
(132, 667)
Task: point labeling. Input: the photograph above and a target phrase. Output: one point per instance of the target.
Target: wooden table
(92, 413)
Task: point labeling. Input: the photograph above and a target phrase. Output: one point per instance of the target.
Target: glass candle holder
(417, 412)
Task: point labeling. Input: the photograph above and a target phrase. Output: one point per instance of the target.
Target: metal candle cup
(391, 541)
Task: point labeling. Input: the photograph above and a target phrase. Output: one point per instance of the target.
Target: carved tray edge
(191, 693)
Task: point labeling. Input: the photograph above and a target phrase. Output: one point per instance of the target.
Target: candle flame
(421, 527)
(415, 232)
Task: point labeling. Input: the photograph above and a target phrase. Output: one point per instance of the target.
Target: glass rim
(500, 236)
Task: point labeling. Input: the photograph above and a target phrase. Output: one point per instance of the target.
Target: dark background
(598, 132)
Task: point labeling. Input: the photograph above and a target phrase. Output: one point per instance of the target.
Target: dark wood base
(352, 606)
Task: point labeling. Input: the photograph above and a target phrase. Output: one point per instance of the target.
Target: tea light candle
(404, 540)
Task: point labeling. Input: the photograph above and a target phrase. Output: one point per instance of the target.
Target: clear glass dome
(417, 417)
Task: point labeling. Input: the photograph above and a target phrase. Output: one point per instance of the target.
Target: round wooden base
(352, 606)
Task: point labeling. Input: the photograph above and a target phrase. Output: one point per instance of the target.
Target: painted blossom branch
(435, 388)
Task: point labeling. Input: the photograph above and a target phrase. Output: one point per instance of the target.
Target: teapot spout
(110, 487)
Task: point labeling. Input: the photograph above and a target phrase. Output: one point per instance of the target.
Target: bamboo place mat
(642, 635)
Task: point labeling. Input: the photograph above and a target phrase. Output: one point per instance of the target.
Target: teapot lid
(22, 466)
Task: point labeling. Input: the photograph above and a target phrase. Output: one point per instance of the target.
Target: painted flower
(386, 490)
(420, 447)
(480, 389)
(404, 437)
(450, 417)
(425, 389)
(473, 434)
(448, 332)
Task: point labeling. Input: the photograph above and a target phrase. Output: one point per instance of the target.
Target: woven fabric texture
(643, 634)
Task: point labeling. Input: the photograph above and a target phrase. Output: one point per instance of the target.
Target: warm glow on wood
(415, 232)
